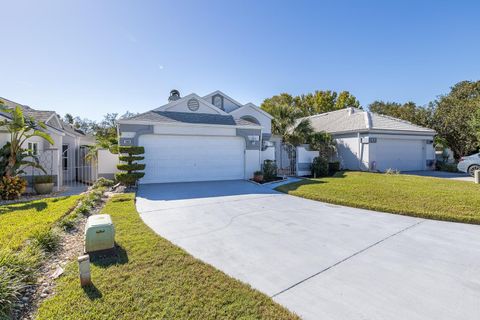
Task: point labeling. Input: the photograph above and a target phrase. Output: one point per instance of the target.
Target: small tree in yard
(130, 174)
(13, 157)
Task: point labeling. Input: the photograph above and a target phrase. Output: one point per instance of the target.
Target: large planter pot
(43, 188)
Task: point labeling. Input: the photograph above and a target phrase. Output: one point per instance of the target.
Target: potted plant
(258, 176)
(43, 184)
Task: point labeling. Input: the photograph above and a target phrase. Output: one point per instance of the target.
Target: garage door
(192, 158)
(403, 155)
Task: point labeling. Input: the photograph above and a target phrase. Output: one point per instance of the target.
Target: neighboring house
(65, 159)
(195, 138)
(369, 141)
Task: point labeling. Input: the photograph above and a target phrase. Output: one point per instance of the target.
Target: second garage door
(192, 158)
(403, 155)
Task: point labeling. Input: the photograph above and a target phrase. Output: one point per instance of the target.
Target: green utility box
(99, 233)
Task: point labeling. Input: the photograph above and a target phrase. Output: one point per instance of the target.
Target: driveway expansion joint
(348, 258)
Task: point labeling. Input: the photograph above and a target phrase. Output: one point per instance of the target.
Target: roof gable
(181, 105)
(225, 96)
(253, 108)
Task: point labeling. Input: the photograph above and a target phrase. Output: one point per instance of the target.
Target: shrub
(43, 179)
(269, 170)
(47, 240)
(85, 209)
(10, 291)
(12, 187)
(103, 182)
(16, 271)
(131, 176)
(69, 222)
(319, 167)
(333, 167)
(448, 167)
(258, 176)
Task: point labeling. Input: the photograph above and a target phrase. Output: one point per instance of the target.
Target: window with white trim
(65, 156)
(33, 148)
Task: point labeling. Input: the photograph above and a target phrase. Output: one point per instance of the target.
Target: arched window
(250, 119)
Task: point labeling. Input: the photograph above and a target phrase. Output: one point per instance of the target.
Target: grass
(425, 197)
(150, 278)
(22, 221)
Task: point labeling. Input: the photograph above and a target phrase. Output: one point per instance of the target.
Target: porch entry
(76, 167)
(287, 160)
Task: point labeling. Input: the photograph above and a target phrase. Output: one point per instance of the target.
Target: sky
(89, 58)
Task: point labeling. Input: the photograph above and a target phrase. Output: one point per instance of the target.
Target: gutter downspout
(360, 151)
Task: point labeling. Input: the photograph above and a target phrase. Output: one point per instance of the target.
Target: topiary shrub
(319, 167)
(131, 167)
(131, 175)
(12, 187)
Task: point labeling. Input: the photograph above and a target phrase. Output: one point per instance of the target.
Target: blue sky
(93, 57)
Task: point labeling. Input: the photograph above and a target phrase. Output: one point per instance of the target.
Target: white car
(469, 164)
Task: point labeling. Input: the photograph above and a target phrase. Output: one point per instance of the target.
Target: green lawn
(20, 221)
(424, 197)
(153, 279)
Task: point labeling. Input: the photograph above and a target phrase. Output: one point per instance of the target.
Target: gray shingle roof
(189, 117)
(353, 120)
(40, 115)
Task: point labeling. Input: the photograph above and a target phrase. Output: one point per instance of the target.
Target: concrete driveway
(319, 260)
(460, 176)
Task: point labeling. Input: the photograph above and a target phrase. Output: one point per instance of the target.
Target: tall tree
(325, 101)
(68, 118)
(454, 115)
(422, 116)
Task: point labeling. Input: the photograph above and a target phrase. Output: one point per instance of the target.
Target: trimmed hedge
(131, 150)
(130, 158)
(131, 167)
(129, 178)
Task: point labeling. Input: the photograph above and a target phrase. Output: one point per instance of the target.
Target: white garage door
(403, 155)
(192, 158)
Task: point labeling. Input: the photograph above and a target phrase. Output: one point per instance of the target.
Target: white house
(369, 141)
(65, 159)
(195, 138)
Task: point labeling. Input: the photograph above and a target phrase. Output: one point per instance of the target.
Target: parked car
(469, 164)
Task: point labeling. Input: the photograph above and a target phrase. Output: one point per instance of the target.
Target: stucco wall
(107, 163)
(304, 160)
(268, 154)
(264, 121)
(348, 151)
(252, 162)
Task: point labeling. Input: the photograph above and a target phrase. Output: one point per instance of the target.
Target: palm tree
(286, 123)
(20, 128)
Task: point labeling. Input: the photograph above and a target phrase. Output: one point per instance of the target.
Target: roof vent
(351, 111)
(174, 95)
